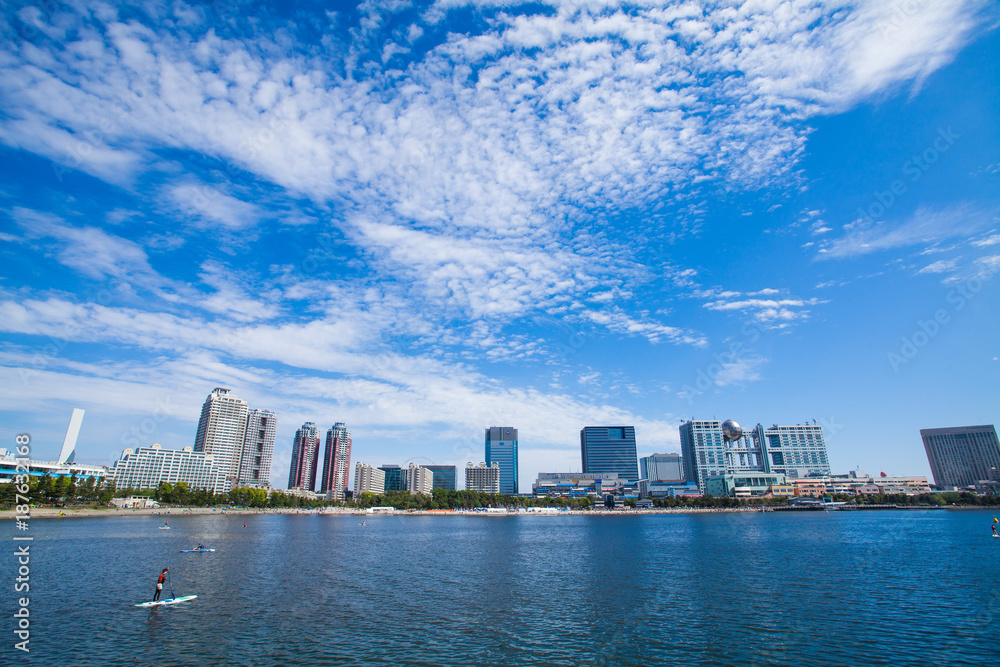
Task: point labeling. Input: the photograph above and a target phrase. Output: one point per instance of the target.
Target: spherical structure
(731, 430)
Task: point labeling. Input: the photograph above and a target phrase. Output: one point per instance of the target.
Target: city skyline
(426, 220)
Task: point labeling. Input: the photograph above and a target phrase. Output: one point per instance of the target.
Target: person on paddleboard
(200, 547)
(994, 527)
(159, 584)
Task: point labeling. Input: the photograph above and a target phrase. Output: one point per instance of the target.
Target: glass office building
(444, 476)
(610, 449)
(501, 448)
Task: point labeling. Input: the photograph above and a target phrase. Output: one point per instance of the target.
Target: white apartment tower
(368, 479)
(421, 480)
(222, 431)
(482, 477)
(258, 449)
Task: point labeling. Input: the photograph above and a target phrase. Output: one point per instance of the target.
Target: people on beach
(159, 584)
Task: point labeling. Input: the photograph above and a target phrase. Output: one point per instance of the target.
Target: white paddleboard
(183, 598)
(191, 551)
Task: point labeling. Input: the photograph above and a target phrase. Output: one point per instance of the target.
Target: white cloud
(208, 208)
(941, 266)
(925, 226)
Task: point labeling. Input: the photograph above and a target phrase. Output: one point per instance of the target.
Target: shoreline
(69, 513)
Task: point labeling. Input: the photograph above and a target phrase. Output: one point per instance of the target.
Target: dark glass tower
(610, 449)
(501, 448)
(444, 476)
(395, 477)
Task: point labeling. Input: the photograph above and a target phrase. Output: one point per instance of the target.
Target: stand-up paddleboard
(191, 551)
(183, 598)
(164, 527)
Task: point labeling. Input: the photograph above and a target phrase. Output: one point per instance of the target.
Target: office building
(793, 451)
(147, 467)
(395, 477)
(305, 458)
(258, 448)
(713, 448)
(336, 462)
(444, 477)
(662, 468)
(368, 479)
(501, 448)
(577, 484)
(222, 430)
(419, 480)
(745, 484)
(962, 455)
(482, 477)
(610, 449)
(703, 454)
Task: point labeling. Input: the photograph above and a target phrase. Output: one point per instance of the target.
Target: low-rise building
(577, 484)
(653, 489)
(134, 502)
(9, 465)
(742, 484)
(148, 467)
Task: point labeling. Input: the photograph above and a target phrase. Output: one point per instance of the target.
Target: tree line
(70, 490)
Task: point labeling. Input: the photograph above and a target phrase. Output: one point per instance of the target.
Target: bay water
(911, 587)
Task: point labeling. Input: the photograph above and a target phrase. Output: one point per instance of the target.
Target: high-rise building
(148, 467)
(444, 476)
(395, 477)
(336, 462)
(258, 448)
(794, 451)
(662, 468)
(713, 448)
(221, 431)
(610, 449)
(501, 448)
(962, 455)
(305, 458)
(482, 477)
(702, 451)
(419, 480)
(368, 479)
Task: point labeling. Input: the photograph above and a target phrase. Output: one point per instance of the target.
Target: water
(813, 588)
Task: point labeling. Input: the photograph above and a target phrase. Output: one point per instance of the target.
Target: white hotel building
(483, 478)
(368, 479)
(146, 467)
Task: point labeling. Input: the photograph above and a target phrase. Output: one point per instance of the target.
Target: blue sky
(427, 219)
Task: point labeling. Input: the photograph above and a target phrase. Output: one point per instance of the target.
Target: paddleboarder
(159, 584)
